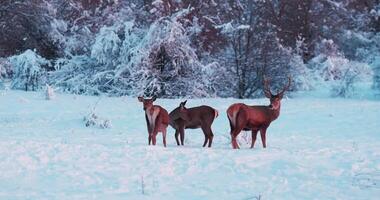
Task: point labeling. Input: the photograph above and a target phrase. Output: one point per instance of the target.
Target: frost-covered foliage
(106, 48)
(193, 48)
(28, 70)
(81, 75)
(94, 120)
(164, 63)
(368, 52)
(128, 60)
(5, 68)
(339, 74)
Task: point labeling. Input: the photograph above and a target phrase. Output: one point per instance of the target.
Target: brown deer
(255, 118)
(157, 119)
(202, 117)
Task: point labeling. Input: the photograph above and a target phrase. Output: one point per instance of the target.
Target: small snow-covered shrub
(94, 120)
(28, 70)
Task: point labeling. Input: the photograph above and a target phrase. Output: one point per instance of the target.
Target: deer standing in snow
(255, 118)
(157, 119)
(202, 117)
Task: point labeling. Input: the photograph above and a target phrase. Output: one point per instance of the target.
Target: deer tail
(232, 113)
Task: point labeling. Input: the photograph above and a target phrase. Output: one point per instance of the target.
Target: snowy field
(319, 148)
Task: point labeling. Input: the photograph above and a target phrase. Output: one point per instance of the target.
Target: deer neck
(274, 112)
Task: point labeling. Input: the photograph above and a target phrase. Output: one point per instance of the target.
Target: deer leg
(149, 138)
(154, 135)
(235, 144)
(254, 135)
(176, 136)
(210, 137)
(205, 132)
(164, 136)
(231, 127)
(154, 139)
(205, 142)
(233, 140)
(263, 136)
(241, 121)
(234, 135)
(182, 134)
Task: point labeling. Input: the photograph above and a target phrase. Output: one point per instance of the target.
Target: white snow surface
(319, 148)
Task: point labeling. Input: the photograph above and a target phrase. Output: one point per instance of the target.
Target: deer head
(147, 103)
(275, 100)
(183, 112)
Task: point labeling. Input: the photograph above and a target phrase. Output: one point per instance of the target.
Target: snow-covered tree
(106, 47)
(164, 63)
(29, 70)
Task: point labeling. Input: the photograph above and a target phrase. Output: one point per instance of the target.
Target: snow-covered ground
(319, 148)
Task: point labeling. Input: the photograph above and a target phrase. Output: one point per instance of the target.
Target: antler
(267, 91)
(286, 86)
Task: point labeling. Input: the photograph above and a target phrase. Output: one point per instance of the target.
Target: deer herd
(241, 117)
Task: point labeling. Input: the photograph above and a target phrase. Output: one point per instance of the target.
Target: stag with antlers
(255, 118)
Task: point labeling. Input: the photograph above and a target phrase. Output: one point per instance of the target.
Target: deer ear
(184, 103)
(281, 95)
(154, 98)
(141, 99)
(181, 107)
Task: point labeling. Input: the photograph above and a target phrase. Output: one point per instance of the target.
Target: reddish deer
(255, 118)
(202, 117)
(157, 119)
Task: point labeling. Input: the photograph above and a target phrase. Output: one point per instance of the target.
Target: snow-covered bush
(353, 73)
(94, 120)
(76, 75)
(28, 70)
(339, 74)
(5, 68)
(369, 52)
(106, 48)
(163, 63)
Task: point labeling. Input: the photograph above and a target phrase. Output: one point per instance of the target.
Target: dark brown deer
(202, 117)
(157, 119)
(255, 118)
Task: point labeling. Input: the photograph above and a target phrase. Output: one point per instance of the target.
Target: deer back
(195, 116)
